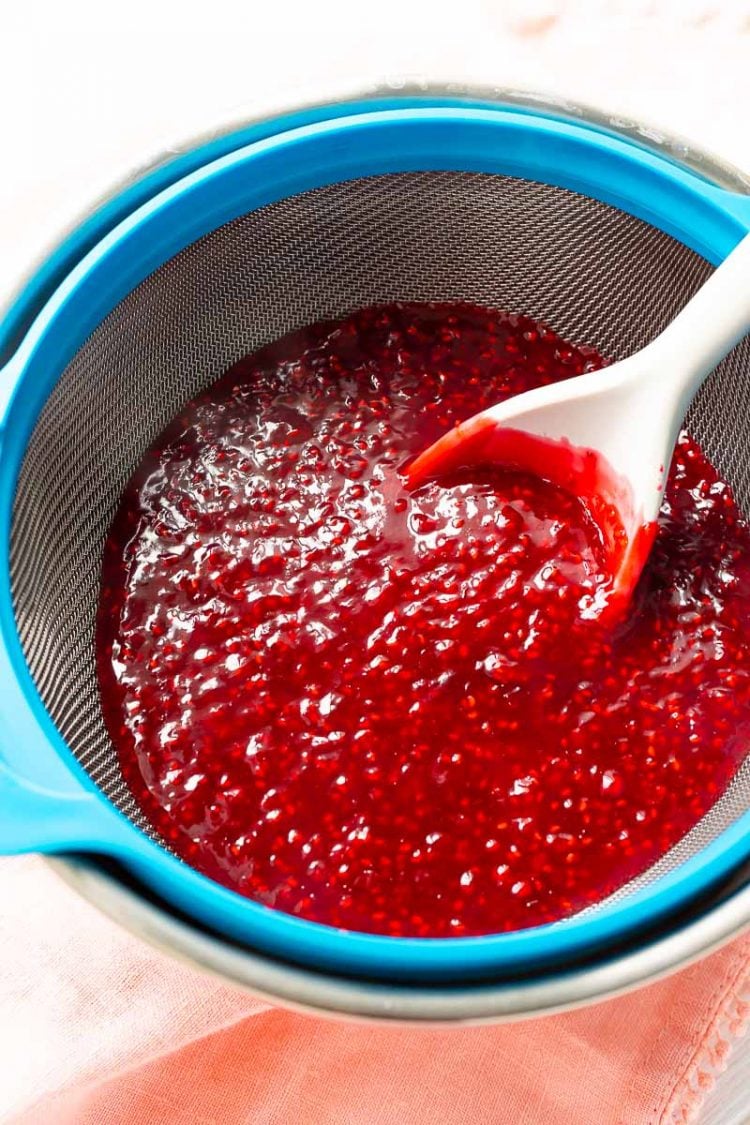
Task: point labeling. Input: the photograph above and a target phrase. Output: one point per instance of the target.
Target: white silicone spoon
(609, 435)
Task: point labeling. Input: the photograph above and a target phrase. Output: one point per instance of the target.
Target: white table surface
(87, 90)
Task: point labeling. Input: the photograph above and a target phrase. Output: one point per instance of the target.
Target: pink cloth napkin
(96, 1028)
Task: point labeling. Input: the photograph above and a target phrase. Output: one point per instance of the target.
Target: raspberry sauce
(393, 710)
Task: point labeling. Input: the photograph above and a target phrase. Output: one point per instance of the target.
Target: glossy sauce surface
(388, 710)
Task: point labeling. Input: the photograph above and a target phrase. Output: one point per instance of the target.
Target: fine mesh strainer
(600, 238)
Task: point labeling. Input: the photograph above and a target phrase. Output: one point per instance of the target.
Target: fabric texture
(97, 1028)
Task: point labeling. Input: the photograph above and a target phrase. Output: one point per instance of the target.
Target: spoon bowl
(608, 436)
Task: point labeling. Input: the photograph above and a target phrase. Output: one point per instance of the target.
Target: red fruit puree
(389, 710)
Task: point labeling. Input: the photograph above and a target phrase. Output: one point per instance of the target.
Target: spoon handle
(709, 326)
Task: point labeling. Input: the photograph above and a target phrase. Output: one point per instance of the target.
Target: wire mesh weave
(595, 274)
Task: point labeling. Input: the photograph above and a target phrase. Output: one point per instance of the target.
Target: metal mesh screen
(595, 274)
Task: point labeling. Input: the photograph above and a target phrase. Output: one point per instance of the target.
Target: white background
(88, 90)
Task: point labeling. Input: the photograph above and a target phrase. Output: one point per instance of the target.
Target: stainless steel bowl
(685, 938)
(692, 936)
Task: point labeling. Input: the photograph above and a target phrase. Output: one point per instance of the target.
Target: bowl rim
(671, 948)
